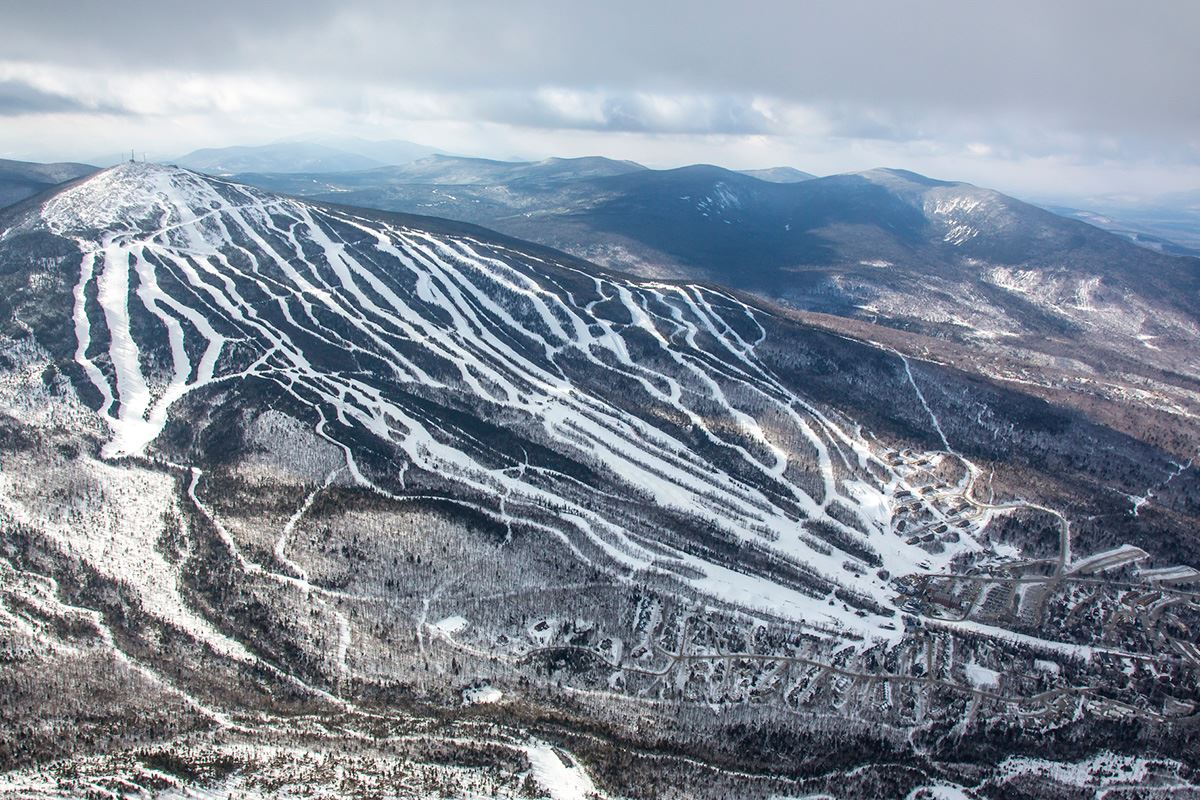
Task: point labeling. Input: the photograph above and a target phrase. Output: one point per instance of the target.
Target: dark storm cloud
(1097, 63)
(617, 111)
(19, 98)
(1079, 81)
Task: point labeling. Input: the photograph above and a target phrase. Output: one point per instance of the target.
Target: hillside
(22, 179)
(471, 516)
(943, 258)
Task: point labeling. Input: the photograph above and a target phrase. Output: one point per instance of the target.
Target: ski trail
(1139, 502)
(364, 323)
(282, 542)
(343, 645)
(921, 396)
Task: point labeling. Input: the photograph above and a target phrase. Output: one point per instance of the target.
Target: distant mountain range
(1169, 224)
(936, 257)
(385, 151)
(21, 179)
(779, 174)
(306, 157)
(443, 170)
(961, 263)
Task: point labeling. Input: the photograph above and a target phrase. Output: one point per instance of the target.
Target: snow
(939, 791)
(980, 676)
(1092, 306)
(119, 201)
(275, 772)
(1170, 574)
(1006, 550)
(1108, 559)
(1077, 651)
(114, 526)
(721, 198)
(955, 213)
(704, 370)
(1102, 769)
(937, 425)
(499, 336)
(481, 695)
(561, 781)
(451, 625)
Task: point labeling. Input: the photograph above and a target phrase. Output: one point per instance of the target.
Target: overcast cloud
(1040, 98)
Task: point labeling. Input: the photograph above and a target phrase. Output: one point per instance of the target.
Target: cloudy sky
(1065, 98)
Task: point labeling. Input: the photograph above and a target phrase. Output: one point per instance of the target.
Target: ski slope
(186, 282)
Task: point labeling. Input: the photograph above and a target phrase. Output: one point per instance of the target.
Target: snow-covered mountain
(309, 155)
(194, 284)
(1007, 289)
(305, 157)
(779, 174)
(884, 245)
(290, 474)
(942, 258)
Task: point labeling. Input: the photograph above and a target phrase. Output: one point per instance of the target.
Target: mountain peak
(893, 176)
(278, 157)
(127, 196)
(779, 174)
